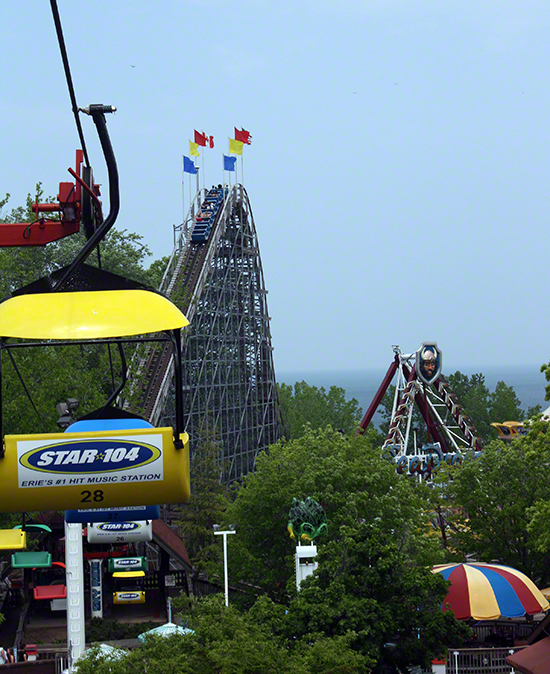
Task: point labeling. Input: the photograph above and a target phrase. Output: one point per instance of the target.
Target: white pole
(225, 574)
(225, 569)
(74, 569)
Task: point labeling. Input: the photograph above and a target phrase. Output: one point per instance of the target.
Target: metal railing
(480, 661)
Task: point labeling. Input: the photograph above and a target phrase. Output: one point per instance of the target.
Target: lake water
(527, 381)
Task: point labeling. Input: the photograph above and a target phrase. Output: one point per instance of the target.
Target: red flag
(243, 136)
(210, 141)
(200, 139)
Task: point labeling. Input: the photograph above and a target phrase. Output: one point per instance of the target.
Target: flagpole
(182, 198)
(191, 196)
(229, 153)
(242, 170)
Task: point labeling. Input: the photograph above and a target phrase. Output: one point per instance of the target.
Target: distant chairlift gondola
(48, 586)
(129, 587)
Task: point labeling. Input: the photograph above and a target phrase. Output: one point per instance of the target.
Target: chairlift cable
(67, 69)
(65, 58)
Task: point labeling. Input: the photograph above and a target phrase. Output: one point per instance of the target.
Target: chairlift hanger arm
(97, 112)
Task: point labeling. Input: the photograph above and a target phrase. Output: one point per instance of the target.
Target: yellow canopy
(128, 574)
(93, 314)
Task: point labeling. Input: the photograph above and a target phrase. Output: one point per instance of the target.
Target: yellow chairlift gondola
(123, 464)
(95, 468)
(129, 587)
(16, 537)
(13, 539)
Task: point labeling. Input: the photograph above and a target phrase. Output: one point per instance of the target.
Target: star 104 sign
(99, 469)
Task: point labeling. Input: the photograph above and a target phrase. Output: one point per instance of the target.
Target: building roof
(169, 541)
(532, 660)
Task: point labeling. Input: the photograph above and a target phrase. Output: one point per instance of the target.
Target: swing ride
(452, 437)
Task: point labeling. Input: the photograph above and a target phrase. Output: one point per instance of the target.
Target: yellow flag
(194, 149)
(235, 146)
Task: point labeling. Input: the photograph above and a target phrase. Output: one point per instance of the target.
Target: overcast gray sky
(398, 172)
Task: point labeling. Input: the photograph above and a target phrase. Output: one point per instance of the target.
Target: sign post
(96, 588)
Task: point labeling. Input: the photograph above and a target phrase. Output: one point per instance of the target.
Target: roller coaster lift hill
(110, 457)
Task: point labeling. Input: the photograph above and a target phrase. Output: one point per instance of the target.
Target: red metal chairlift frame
(70, 205)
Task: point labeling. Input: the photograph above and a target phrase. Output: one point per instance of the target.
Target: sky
(398, 172)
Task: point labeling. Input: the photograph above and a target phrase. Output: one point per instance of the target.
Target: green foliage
(313, 637)
(225, 640)
(484, 407)
(368, 590)
(497, 504)
(545, 369)
(537, 452)
(111, 630)
(63, 372)
(347, 477)
(156, 271)
(306, 405)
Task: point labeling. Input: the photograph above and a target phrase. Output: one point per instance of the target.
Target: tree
(366, 587)
(537, 450)
(545, 369)
(262, 639)
(227, 640)
(350, 480)
(39, 378)
(504, 405)
(304, 405)
(374, 585)
(496, 503)
(484, 407)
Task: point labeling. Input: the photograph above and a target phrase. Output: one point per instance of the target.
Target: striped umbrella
(489, 591)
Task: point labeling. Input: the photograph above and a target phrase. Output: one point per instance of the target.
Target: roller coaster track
(229, 381)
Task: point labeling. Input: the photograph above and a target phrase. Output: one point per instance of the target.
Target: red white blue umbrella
(489, 591)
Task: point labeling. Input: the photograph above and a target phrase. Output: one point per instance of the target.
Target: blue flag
(229, 163)
(189, 166)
